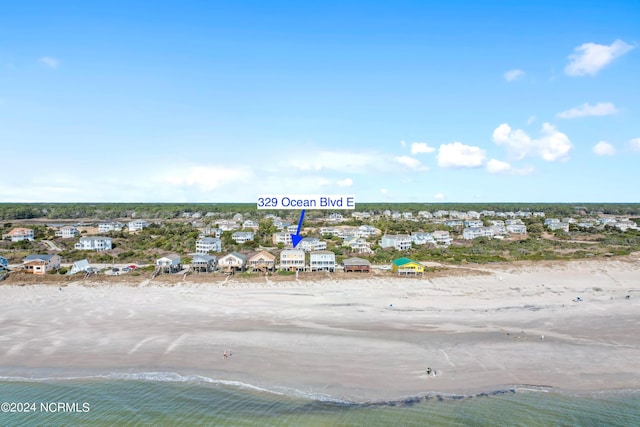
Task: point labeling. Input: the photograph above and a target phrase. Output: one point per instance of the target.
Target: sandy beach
(566, 325)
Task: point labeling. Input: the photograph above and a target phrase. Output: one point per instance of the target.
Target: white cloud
(347, 182)
(499, 167)
(384, 190)
(513, 75)
(635, 144)
(207, 178)
(552, 146)
(341, 161)
(410, 162)
(589, 58)
(403, 143)
(49, 61)
(438, 196)
(586, 110)
(531, 119)
(421, 147)
(603, 148)
(496, 166)
(458, 155)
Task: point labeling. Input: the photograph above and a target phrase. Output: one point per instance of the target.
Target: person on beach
(224, 355)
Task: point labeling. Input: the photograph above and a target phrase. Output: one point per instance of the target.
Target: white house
(282, 237)
(250, 224)
(322, 261)
(336, 217)
(401, 242)
(209, 231)
(517, 228)
(475, 232)
(242, 236)
(442, 237)
(564, 226)
(137, 225)
(205, 245)
(291, 229)
(109, 226)
(473, 223)
(292, 259)
(94, 243)
(425, 214)
(454, 223)
(169, 263)
(81, 266)
(357, 244)
(309, 244)
(19, 234)
(422, 238)
(227, 225)
(366, 231)
(233, 262)
(67, 232)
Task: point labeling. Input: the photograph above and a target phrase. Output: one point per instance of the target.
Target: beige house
(263, 261)
(41, 264)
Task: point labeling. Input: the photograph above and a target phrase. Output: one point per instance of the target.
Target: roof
(209, 239)
(356, 261)
(237, 255)
(172, 257)
(322, 253)
(204, 258)
(19, 231)
(37, 257)
(263, 254)
(85, 238)
(402, 261)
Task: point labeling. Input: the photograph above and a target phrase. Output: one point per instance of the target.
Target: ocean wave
(314, 396)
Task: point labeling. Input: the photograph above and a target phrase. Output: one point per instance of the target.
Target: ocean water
(174, 400)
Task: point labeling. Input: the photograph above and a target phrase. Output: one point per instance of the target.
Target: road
(52, 246)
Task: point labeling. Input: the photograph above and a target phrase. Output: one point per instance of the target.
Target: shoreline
(363, 340)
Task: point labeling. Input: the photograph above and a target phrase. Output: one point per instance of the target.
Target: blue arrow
(296, 238)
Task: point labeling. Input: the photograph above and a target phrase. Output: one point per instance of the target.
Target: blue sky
(405, 101)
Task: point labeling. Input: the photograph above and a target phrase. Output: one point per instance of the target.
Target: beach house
(169, 264)
(401, 242)
(233, 262)
(406, 266)
(282, 237)
(109, 226)
(292, 259)
(94, 243)
(202, 263)
(81, 266)
(67, 232)
(241, 237)
(205, 245)
(41, 264)
(309, 244)
(262, 261)
(356, 265)
(322, 261)
(19, 234)
(137, 225)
